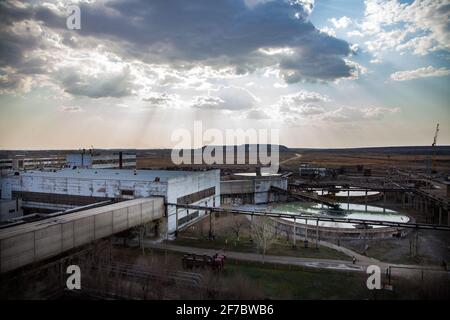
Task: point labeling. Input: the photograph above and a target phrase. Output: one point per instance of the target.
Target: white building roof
(111, 174)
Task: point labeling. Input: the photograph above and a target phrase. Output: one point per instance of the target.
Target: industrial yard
(319, 218)
(225, 159)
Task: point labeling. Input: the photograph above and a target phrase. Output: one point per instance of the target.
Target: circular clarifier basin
(350, 193)
(350, 211)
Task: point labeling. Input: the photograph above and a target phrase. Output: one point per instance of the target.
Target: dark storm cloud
(16, 45)
(181, 33)
(219, 33)
(107, 84)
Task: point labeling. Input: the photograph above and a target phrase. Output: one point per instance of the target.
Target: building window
(188, 217)
(197, 196)
(127, 192)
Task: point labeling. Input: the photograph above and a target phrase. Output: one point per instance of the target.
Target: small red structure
(215, 262)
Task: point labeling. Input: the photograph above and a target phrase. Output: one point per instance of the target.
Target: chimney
(82, 157)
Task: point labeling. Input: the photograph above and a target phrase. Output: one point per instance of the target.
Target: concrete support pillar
(176, 221)
(210, 225)
(348, 200)
(294, 235)
(404, 200)
(365, 201)
(306, 229)
(317, 233)
(213, 223)
(440, 215)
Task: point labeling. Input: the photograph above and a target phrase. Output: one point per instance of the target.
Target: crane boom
(435, 135)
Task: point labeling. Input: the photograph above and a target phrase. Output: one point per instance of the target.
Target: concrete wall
(10, 209)
(262, 187)
(184, 185)
(79, 160)
(35, 241)
(106, 188)
(259, 187)
(237, 186)
(173, 188)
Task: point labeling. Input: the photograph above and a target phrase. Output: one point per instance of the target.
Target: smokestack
(82, 158)
(120, 160)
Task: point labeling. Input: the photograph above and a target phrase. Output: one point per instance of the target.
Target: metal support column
(295, 233)
(210, 225)
(317, 233)
(440, 215)
(176, 221)
(365, 200)
(404, 200)
(348, 199)
(306, 229)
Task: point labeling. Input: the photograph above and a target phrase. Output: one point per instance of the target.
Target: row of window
(188, 217)
(197, 196)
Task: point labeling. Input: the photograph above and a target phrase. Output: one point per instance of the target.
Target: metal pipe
(320, 218)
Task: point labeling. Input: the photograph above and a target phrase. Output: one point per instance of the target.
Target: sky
(324, 73)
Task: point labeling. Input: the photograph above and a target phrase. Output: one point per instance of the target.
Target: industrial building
(313, 172)
(32, 242)
(10, 209)
(56, 190)
(28, 163)
(82, 159)
(251, 189)
(119, 160)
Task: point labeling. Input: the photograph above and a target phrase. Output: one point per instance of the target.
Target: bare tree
(263, 233)
(236, 225)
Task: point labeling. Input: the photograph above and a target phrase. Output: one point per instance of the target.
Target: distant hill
(439, 150)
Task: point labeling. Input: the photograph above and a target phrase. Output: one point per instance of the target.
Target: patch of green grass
(282, 282)
(296, 282)
(393, 252)
(280, 248)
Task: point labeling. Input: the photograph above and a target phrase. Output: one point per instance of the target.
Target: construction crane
(435, 136)
(431, 162)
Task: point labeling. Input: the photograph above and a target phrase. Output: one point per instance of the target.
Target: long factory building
(32, 242)
(59, 190)
(74, 206)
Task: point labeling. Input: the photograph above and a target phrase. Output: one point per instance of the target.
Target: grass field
(281, 282)
(280, 248)
(271, 281)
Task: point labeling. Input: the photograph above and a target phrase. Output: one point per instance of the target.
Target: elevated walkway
(32, 242)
